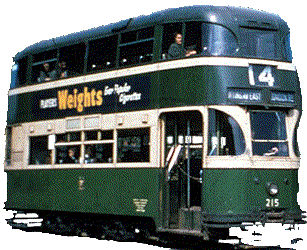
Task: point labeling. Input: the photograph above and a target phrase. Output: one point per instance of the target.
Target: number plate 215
(272, 202)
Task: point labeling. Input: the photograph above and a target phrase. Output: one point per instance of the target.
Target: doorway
(182, 142)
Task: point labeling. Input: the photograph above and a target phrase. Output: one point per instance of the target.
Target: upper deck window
(44, 66)
(71, 60)
(287, 49)
(102, 54)
(258, 43)
(136, 47)
(57, 64)
(183, 40)
(19, 73)
(269, 133)
(14, 75)
(218, 40)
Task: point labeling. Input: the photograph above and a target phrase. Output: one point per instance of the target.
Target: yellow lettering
(87, 98)
(80, 102)
(75, 98)
(70, 101)
(93, 94)
(99, 99)
(62, 99)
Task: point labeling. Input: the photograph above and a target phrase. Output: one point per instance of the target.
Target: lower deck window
(8, 145)
(39, 152)
(67, 154)
(133, 145)
(90, 147)
(98, 153)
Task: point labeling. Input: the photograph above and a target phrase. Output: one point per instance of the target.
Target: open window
(71, 60)
(44, 66)
(39, 151)
(102, 54)
(225, 135)
(181, 40)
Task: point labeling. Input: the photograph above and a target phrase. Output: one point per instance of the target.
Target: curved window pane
(295, 144)
(287, 49)
(225, 135)
(218, 41)
(14, 76)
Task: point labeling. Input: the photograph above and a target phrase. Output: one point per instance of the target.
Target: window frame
(272, 141)
(47, 150)
(124, 45)
(146, 130)
(220, 112)
(90, 43)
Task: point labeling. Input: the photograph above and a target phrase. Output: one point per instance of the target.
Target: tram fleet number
(272, 202)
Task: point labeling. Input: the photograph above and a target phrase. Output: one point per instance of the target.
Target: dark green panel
(238, 191)
(107, 191)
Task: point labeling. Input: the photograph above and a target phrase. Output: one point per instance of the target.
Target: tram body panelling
(103, 191)
(239, 195)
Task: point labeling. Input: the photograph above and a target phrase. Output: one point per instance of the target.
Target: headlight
(273, 189)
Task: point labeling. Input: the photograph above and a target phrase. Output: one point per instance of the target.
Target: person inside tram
(63, 72)
(176, 50)
(46, 74)
(71, 156)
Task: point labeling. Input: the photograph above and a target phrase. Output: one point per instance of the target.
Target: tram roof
(231, 17)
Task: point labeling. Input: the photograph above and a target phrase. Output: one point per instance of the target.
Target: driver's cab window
(225, 135)
(181, 40)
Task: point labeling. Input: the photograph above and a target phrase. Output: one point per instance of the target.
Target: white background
(24, 23)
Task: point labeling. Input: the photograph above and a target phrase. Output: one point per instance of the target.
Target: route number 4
(262, 77)
(266, 76)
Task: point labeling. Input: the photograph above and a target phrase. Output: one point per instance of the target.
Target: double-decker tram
(183, 122)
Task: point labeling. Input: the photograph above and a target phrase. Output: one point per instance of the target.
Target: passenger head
(71, 152)
(46, 66)
(62, 65)
(178, 38)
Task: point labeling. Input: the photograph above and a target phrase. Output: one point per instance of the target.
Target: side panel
(124, 191)
(231, 193)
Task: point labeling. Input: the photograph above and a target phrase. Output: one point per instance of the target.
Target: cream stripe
(184, 63)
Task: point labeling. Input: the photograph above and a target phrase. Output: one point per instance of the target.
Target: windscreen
(269, 133)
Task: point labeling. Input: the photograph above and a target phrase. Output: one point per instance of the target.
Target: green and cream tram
(183, 121)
